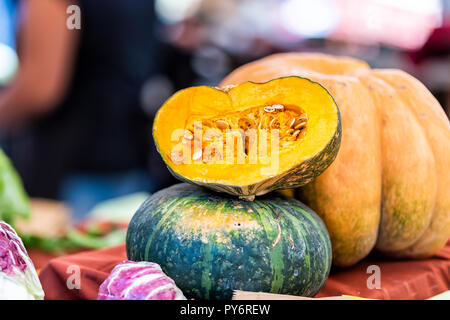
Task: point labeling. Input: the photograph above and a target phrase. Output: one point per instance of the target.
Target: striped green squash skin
(211, 244)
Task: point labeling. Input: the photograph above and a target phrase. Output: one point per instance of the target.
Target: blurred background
(76, 106)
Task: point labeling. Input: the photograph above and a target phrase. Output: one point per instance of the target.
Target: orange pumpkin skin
(389, 186)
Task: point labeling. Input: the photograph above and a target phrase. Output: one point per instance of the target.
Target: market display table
(410, 279)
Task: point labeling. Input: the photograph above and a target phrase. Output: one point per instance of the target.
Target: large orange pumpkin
(389, 186)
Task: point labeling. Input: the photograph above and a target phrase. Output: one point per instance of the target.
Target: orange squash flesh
(204, 115)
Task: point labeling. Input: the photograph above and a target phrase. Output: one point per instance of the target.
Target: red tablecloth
(40, 258)
(419, 279)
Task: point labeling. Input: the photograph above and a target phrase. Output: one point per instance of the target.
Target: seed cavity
(246, 123)
(289, 119)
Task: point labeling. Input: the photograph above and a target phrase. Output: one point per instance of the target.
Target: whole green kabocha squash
(211, 244)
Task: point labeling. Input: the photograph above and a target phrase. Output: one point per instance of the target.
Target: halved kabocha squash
(249, 139)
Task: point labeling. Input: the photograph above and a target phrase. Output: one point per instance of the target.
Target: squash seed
(291, 122)
(188, 135)
(186, 142)
(176, 156)
(197, 155)
(278, 107)
(274, 124)
(289, 131)
(296, 133)
(269, 109)
(300, 125)
(222, 124)
(297, 121)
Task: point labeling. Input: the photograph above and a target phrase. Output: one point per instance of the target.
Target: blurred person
(71, 119)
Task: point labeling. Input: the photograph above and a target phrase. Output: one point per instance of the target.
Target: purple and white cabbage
(18, 278)
(131, 280)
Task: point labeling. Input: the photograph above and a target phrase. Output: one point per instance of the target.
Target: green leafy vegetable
(75, 239)
(13, 198)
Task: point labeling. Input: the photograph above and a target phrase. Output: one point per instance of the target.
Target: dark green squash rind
(250, 258)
